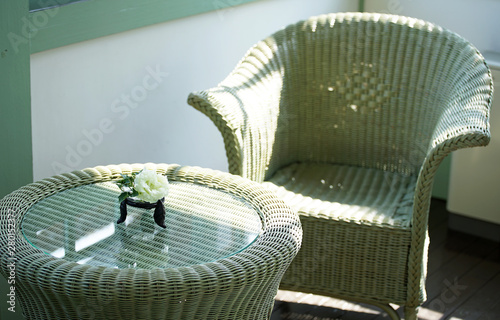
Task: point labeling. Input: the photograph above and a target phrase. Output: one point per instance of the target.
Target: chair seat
(345, 193)
(356, 224)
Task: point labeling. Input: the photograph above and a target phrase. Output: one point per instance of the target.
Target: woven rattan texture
(387, 96)
(241, 286)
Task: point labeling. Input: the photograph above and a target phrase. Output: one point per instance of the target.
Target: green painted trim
(16, 160)
(361, 5)
(85, 20)
(44, 4)
(442, 179)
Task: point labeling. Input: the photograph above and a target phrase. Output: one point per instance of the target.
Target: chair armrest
(245, 108)
(463, 123)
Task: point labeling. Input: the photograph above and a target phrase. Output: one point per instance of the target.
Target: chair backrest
(366, 89)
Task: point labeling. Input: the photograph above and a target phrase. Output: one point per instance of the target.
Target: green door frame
(16, 160)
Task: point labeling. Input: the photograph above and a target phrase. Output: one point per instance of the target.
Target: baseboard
(476, 227)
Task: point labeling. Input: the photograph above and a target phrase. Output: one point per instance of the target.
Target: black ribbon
(159, 214)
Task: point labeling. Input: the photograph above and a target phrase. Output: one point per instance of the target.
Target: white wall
(476, 20)
(122, 98)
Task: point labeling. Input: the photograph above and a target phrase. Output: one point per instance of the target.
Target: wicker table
(223, 253)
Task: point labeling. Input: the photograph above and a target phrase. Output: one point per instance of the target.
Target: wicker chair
(347, 117)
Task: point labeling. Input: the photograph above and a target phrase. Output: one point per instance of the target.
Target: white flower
(151, 186)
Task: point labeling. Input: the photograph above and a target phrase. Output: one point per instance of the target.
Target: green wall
(442, 179)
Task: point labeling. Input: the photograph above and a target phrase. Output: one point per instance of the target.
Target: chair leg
(411, 312)
(389, 310)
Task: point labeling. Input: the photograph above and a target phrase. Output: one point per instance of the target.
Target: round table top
(204, 224)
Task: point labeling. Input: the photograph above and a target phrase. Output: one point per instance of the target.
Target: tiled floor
(463, 282)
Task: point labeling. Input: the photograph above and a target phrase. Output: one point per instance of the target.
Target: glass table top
(203, 225)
